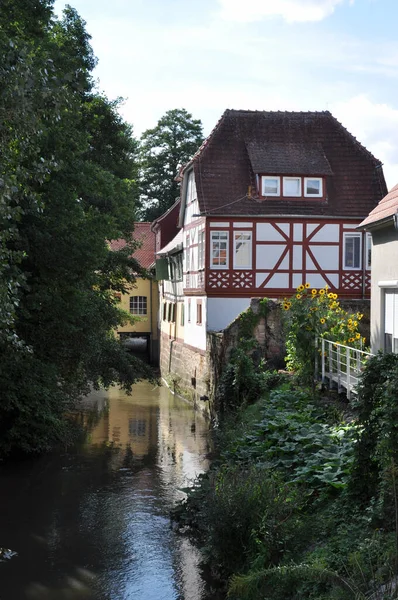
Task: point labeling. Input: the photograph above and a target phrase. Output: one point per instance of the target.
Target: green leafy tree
(163, 150)
(67, 186)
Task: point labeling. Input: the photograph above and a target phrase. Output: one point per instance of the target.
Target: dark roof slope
(276, 158)
(386, 208)
(244, 142)
(145, 255)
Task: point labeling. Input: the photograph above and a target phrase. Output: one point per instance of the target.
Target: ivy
(249, 319)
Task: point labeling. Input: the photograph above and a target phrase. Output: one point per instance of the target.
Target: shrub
(311, 313)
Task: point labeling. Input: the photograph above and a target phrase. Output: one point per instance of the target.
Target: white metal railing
(341, 365)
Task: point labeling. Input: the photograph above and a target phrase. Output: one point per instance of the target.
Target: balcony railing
(339, 365)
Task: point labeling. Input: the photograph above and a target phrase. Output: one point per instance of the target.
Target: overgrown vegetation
(312, 313)
(300, 502)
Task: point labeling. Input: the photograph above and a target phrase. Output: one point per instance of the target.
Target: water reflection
(93, 522)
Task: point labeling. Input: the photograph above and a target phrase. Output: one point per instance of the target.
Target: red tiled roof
(224, 169)
(145, 255)
(387, 207)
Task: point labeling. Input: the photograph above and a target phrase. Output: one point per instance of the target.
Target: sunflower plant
(312, 313)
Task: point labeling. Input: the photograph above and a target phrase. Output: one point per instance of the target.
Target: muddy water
(93, 522)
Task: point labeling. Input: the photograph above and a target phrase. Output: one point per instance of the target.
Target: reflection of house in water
(128, 422)
(183, 442)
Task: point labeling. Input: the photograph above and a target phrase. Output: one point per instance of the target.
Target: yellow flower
(349, 321)
(322, 292)
(350, 339)
(322, 320)
(300, 288)
(326, 287)
(298, 296)
(355, 323)
(285, 306)
(314, 292)
(363, 339)
(358, 336)
(307, 285)
(330, 295)
(335, 296)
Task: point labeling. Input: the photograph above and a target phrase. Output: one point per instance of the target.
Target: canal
(92, 522)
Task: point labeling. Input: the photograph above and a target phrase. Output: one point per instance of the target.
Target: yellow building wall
(145, 323)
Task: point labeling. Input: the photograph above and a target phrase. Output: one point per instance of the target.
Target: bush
(312, 313)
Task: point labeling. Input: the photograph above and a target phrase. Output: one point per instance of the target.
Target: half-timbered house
(269, 201)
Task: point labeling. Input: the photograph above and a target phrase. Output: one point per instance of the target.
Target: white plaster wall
(384, 268)
(222, 311)
(195, 335)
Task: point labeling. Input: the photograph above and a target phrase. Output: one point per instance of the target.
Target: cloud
(375, 125)
(298, 11)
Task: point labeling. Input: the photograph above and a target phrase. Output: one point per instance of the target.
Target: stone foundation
(186, 371)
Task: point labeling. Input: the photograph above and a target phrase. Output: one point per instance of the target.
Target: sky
(210, 55)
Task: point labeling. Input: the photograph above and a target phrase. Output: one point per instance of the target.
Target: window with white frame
(312, 187)
(219, 249)
(352, 250)
(368, 250)
(187, 254)
(292, 186)
(391, 320)
(271, 185)
(138, 305)
(191, 188)
(201, 250)
(242, 250)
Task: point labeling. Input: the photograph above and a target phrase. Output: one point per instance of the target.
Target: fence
(341, 365)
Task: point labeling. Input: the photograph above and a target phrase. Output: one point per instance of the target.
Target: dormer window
(292, 186)
(271, 186)
(313, 187)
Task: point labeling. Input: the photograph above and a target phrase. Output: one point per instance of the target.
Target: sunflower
(300, 288)
(335, 296)
(322, 292)
(358, 336)
(330, 295)
(307, 285)
(322, 320)
(349, 321)
(285, 306)
(314, 292)
(298, 296)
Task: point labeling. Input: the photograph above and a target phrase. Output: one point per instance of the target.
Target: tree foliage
(67, 185)
(163, 150)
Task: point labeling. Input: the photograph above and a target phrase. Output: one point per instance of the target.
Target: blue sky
(209, 55)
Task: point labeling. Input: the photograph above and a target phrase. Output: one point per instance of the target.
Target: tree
(163, 150)
(67, 165)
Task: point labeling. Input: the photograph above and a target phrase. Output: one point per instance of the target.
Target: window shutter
(389, 312)
(162, 270)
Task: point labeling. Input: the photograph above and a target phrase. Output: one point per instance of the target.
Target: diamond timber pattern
(219, 279)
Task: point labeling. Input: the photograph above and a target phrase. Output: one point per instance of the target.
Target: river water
(92, 522)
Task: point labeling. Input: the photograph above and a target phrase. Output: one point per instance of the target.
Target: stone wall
(195, 374)
(268, 333)
(186, 371)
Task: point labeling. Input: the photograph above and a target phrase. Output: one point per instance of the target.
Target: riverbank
(293, 507)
